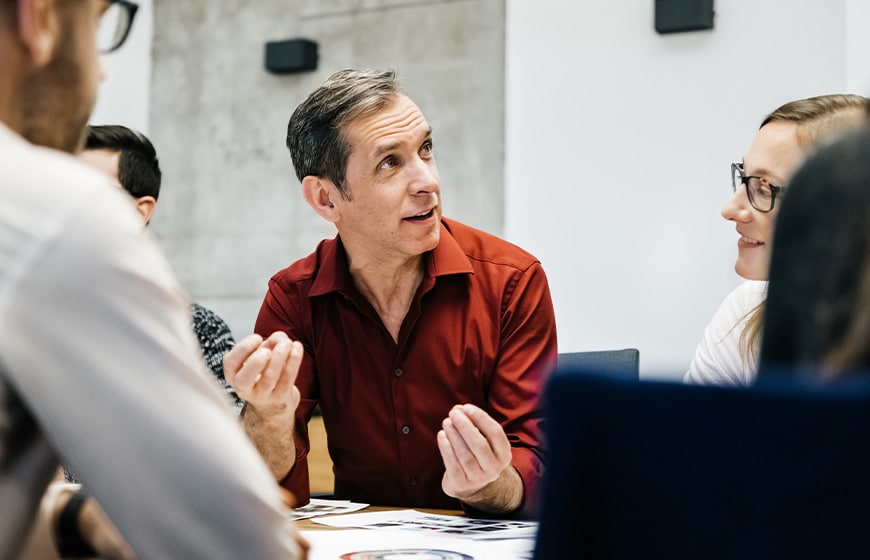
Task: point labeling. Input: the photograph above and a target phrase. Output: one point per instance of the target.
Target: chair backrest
(653, 469)
(623, 363)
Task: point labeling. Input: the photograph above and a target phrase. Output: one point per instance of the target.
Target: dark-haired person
(97, 361)
(426, 341)
(817, 318)
(129, 158)
(728, 352)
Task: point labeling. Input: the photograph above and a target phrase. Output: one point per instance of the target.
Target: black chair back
(648, 469)
(623, 363)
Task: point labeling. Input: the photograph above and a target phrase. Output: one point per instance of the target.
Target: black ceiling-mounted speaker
(675, 16)
(292, 55)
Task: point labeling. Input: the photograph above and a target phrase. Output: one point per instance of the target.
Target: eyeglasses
(761, 194)
(115, 25)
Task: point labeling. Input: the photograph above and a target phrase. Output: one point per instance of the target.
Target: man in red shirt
(425, 342)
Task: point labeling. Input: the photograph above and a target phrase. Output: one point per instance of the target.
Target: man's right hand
(263, 373)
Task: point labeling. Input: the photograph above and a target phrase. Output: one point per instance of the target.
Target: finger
(452, 467)
(246, 377)
(469, 431)
(484, 422)
(271, 375)
(294, 361)
(275, 339)
(237, 355)
(284, 365)
(491, 430)
(492, 455)
(463, 452)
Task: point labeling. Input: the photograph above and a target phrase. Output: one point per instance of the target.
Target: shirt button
(398, 372)
(406, 430)
(413, 482)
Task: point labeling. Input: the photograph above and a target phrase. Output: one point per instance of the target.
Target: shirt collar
(333, 275)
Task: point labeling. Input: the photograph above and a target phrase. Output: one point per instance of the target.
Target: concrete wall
(231, 212)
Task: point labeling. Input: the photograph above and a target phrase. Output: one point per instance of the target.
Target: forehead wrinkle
(393, 128)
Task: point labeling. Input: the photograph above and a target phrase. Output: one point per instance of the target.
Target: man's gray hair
(314, 134)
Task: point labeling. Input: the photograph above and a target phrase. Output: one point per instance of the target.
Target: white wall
(123, 97)
(618, 145)
(858, 46)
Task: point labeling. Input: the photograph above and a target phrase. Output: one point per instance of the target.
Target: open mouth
(421, 217)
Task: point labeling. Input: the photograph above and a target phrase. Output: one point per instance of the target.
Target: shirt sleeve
(526, 358)
(280, 313)
(100, 350)
(718, 359)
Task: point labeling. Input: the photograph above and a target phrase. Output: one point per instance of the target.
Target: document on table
(364, 544)
(409, 520)
(325, 507)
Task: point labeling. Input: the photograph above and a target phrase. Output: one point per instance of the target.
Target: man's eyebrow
(387, 148)
(396, 145)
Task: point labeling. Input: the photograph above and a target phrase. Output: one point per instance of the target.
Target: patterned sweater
(215, 339)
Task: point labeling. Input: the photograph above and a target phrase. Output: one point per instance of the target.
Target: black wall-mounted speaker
(292, 55)
(675, 16)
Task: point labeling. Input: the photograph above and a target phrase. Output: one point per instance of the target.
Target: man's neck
(388, 285)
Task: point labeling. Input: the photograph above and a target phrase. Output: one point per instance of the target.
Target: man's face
(59, 97)
(394, 208)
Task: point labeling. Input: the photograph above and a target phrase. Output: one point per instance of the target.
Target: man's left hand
(477, 461)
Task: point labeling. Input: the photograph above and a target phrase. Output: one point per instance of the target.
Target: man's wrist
(68, 536)
(267, 414)
(500, 497)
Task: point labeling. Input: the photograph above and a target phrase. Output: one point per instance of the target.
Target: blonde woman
(728, 352)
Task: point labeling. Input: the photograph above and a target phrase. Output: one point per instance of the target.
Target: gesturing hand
(263, 372)
(477, 456)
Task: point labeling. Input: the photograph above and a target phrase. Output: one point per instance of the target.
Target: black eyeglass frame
(737, 169)
(131, 8)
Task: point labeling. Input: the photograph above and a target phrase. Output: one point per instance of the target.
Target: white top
(98, 363)
(718, 360)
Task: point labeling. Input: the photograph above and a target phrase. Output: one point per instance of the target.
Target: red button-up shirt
(480, 330)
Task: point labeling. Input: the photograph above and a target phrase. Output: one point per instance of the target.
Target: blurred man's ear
(38, 29)
(145, 206)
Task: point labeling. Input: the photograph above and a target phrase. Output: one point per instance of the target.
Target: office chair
(623, 363)
(647, 469)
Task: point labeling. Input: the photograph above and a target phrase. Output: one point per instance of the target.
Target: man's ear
(316, 191)
(145, 206)
(38, 29)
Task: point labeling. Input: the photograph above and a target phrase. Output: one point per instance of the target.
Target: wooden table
(308, 524)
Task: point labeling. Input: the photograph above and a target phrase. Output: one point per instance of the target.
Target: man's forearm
(502, 496)
(272, 435)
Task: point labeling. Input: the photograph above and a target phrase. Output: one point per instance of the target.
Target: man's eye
(426, 148)
(389, 163)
